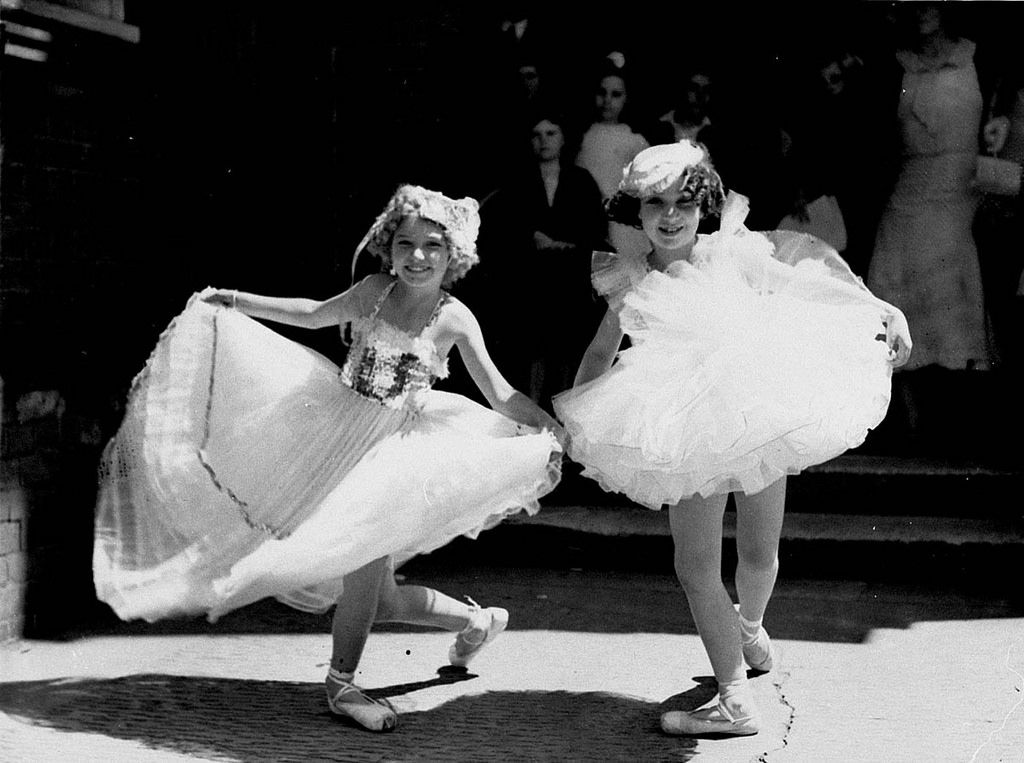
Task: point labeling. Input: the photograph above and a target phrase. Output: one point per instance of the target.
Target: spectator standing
(610, 143)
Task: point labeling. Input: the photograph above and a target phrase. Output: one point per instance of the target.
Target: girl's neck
(659, 259)
(410, 298)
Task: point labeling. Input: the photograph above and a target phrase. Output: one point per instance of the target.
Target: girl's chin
(671, 243)
(417, 279)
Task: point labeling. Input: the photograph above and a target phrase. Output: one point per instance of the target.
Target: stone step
(871, 485)
(638, 521)
(882, 465)
(917, 550)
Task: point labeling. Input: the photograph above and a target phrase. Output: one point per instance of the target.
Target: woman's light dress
(249, 466)
(604, 151)
(761, 356)
(925, 259)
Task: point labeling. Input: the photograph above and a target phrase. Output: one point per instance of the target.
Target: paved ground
(869, 671)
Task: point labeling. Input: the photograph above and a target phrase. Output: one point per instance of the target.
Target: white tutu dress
(249, 466)
(762, 355)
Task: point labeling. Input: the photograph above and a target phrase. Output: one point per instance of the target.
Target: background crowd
(867, 136)
(860, 122)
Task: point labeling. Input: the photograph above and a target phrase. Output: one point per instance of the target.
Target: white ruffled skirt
(725, 389)
(245, 469)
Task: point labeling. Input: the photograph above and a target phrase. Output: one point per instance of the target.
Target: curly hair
(459, 220)
(656, 169)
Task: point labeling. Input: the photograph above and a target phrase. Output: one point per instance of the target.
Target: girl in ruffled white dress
(249, 466)
(752, 356)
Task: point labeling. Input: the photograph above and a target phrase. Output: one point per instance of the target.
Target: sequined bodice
(388, 365)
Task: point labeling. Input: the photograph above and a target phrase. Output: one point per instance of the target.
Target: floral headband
(460, 219)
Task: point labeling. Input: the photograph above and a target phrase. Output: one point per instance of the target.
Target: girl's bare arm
(602, 350)
(501, 395)
(299, 311)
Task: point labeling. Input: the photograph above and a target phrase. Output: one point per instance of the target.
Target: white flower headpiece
(460, 219)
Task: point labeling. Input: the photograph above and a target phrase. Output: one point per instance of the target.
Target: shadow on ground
(287, 721)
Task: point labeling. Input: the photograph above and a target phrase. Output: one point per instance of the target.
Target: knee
(363, 584)
(388, 609)
(698, 572)
(391, 604)
(759, 560)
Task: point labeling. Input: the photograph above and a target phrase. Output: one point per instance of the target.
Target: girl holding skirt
(249, 466)
(752, 356)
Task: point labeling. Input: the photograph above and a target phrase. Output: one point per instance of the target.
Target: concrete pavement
(869, 671)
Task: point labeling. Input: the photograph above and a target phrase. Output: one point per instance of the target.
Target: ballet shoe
(758, 654)
(716, 719)
(487, 624)
(348, 700)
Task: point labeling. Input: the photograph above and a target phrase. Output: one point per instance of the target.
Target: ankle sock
(737, 697)
(337, 675)
(748, 629)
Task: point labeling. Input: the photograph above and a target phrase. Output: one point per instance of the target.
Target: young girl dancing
(752, 356)
(249, 466)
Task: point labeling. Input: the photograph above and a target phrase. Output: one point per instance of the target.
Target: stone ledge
(112, 27)
(626, 520)
(912, 466)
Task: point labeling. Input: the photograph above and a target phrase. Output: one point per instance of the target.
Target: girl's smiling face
(419, 252)
(670, 218)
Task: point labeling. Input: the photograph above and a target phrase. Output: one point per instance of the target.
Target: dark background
(249, 145)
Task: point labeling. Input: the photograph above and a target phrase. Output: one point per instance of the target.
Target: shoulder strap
(380, 300)
(441, 302)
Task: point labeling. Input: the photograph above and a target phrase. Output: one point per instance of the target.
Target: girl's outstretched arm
(602, 349)
(297, 311)
(501, 395)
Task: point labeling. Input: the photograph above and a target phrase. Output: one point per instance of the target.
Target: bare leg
(419, 605)
(758, 527)
(355, 613)
(371, 595)
(697, 533)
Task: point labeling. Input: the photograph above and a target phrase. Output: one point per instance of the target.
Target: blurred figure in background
(925, 260)
(835, 155)
(690, 116)
(999, 225)
(542, 225)
(610, 143)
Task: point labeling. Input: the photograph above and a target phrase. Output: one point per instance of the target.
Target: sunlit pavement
(867, 671)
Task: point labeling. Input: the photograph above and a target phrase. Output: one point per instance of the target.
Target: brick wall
(69, 199)
(31, 443)
(13, 556)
